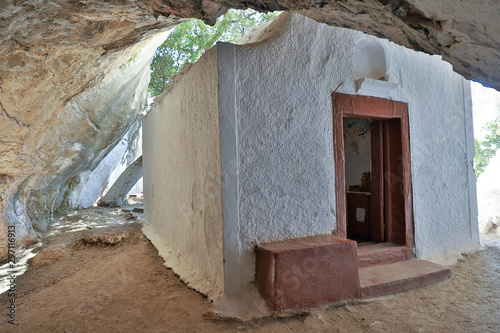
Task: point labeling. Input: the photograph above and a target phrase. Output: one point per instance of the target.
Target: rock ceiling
(464, 33)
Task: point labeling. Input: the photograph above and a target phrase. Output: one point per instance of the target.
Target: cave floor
(111, 279)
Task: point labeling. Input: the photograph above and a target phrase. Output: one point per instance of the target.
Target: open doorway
(373, 176)
(358, 165)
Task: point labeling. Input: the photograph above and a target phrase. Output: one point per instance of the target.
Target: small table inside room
(358, 216)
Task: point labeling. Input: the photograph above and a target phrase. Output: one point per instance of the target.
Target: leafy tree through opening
(188, 42)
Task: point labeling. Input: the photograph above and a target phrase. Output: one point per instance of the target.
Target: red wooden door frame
(355, 106)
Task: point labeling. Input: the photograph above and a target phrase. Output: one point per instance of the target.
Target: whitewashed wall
(182, 177)
(282, 148)
(269, 104)
(442, 153)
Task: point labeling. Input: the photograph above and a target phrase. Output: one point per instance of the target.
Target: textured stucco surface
(182, 177)
(284, 148)
(442, 152)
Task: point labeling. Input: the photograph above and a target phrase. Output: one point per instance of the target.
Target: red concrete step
(382, 253)
(307, 273)
(390, 279)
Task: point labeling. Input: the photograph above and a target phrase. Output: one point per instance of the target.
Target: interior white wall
(285, 163)
(182, 177)
(356, 150)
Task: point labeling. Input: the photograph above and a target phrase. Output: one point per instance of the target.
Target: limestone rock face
(73, 78)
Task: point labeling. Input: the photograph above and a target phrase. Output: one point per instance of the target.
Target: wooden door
(393, 171)
(387, 197)
(377, 181)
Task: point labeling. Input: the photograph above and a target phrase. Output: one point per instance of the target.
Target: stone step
(382, 253)
(308, 272)
(390, 279)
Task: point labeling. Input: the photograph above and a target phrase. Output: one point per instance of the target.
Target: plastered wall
(182, 177)
(280, 116)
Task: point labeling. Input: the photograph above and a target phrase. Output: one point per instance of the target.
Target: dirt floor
(112, 280)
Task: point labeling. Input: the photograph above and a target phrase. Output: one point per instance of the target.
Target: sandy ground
(111, 279)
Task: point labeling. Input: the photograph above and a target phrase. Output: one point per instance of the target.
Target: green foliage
(190, 40)
(486, 149)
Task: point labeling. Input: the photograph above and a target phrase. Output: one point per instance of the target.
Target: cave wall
(90, 184)
(73, 79)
